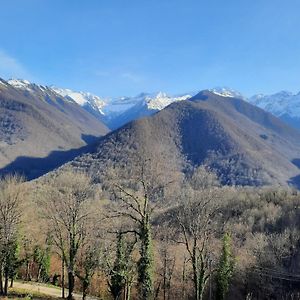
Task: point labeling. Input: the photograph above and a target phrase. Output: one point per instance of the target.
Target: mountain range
(242, 143)
(42, 127)
(118, 111)
(115, 112)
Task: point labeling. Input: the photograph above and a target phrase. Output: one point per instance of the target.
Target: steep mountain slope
(284, 105)
(242, 143)
(39, 128)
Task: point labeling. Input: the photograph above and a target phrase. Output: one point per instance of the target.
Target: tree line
(149, 236)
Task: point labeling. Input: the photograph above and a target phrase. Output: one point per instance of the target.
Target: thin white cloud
(11, 68)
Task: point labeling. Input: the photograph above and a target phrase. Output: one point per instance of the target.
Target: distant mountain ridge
(284, 105)
(115, 112)
(118, 111)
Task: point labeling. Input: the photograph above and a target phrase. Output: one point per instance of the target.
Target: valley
(119, 196)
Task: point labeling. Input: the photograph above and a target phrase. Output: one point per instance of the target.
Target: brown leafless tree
(138, 197)
(196, 217)
(68, 210)
(12, 191)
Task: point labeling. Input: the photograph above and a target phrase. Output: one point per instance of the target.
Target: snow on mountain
(117, 106)
(84, 99)
(91, 103)
(28, 86)
(161, 100)
(20, 84)
(154, 101)
(127, 109)
(284, 105)
(107, 109)
(227, 92)
(279, 104)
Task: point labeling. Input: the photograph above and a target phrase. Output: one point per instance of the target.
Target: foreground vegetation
(145, 235)
(17, 293)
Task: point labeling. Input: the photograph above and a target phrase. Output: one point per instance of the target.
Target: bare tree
(67, 207)
(168, 265)
(196, 216)
(11, 195)
(139, 210)
(137, 199)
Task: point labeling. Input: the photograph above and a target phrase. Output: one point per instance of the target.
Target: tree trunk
(28, 275)
(165, 274)
(195, 279)
(184, 278)
(128, 289)
(39, 274)
(12, 282)
(63, 278)
(145, 267)
(71, 265)
(6, 283)
(85, 286)
(27, 271)
(71, 283)
(84, 294)
(1, 282)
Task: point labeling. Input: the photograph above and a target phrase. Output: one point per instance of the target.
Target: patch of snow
(20, 84)
(154, 101)
(227, 92)
(162, 100)
(82, 98)
(279, 104)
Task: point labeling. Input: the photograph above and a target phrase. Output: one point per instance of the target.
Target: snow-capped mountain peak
(20, 83)
(279, 104)
(227, 92)
(84, 99)
(161, 100)
(26, 85)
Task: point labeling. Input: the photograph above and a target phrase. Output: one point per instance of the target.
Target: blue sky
(123, 47)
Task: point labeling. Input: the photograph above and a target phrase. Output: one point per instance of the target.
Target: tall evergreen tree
(225, 269)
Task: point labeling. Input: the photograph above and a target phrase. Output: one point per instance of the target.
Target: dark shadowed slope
(242, 143)
(36, 121)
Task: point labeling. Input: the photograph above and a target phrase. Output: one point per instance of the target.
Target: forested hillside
(143, 235)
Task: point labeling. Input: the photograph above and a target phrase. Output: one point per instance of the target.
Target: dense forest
(145, 235)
